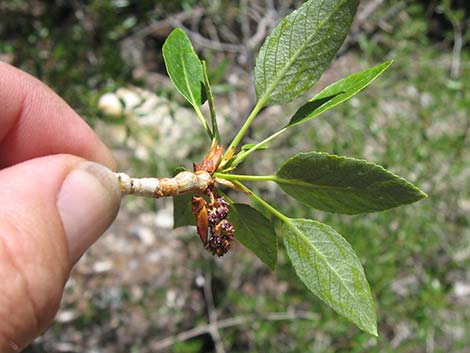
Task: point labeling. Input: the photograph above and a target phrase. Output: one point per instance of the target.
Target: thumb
(51, 210)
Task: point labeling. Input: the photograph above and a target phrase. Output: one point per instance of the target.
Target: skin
(44, 146)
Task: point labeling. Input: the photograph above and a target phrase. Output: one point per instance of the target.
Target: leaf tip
(419, 194)
(173, 33)
(373, 331)
(177, 30)
(422, 195)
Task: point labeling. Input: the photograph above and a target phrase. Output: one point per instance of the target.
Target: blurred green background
(145, 287)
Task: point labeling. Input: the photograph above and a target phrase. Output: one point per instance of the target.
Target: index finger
(35, 122)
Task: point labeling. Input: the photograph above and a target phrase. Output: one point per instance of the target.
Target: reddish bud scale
(215, 231)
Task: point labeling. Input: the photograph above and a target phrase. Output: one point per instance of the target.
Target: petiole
(266, 205)
(235, 177)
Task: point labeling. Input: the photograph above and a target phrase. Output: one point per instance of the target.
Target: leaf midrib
(355, 88)
(301, 183)
(188, 87)
(271, 88)
(318, 253)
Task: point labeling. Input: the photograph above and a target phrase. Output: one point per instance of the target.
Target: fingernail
(88, 202)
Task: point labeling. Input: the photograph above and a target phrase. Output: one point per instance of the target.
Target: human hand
(54, 203)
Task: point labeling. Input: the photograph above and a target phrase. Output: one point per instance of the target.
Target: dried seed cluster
(221, 231)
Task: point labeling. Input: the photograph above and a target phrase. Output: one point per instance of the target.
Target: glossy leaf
(344, 185)
(184, 67)
(300, 48)
(182, 212)
(328, 266)
(338, 93)
(255, 232)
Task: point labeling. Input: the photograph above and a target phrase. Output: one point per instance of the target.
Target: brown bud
(202, 220)
(210, 163)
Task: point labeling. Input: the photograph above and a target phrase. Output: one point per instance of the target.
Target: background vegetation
(147, 288)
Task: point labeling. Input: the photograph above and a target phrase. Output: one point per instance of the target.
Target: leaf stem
(203, 121)
(266, 205)
(238, 137)
(242, 156)
(245, 177)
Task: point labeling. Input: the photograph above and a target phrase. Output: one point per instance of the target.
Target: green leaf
(328, 266)
(300, 48)
(255, 232)
(344, 185)
(338, 93)
(182, 211)
(184, 66)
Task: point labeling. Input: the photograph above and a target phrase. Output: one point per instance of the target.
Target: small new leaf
(255, 232)
(328, 266)
(338, 93)
(344, 185)
(300, 48)
(184, 67)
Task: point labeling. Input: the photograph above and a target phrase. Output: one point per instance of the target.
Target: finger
(51, 210)
(35, 122)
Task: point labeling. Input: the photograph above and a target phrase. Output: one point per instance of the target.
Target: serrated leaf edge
(267, 91)
(290, 224)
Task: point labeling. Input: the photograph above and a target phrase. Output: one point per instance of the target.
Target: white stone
(110, 105)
